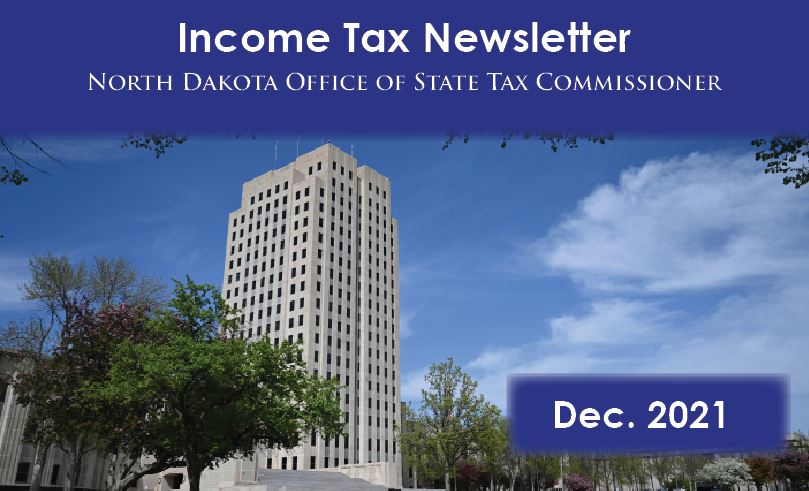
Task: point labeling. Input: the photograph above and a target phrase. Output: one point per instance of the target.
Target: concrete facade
(16, 457)
(312, 257)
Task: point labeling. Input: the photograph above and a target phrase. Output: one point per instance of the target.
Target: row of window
(321, 207)
(23, 473)
(326, 460)
(297, 210)
(278, 187)
(311, 169)
(301, 321)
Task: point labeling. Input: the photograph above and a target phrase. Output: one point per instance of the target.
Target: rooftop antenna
(297, 148)
(352, 149)
(275, 161)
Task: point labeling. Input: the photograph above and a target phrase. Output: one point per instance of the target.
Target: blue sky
(642, 255)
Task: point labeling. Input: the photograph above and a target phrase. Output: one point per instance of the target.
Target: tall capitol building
(312, 257)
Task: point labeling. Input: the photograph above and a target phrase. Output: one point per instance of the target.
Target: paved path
(286, 480)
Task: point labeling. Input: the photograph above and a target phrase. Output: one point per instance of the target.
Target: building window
(22, 472)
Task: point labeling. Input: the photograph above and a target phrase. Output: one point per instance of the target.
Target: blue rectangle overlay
(691, 67)
(656, 414)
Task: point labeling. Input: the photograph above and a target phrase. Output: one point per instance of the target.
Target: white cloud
(702, 221)
(761, 332)
(613, 321)
(612, 336)
(708, 229)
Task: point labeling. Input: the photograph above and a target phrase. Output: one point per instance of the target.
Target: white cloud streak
(703, 221)
(707, 228)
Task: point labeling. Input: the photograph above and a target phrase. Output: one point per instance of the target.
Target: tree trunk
(415, 476)
(491, 482)
(123, 484)
(194, 470)
(75, 457)
(40, 455)
(446, 479)
(124, 472)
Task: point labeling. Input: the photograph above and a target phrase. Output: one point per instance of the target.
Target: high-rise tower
(312, 257)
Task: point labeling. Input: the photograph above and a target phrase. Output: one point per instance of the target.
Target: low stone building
(16, 457)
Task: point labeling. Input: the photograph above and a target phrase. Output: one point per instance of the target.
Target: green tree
(550, 470)
(454, 413)
(415, 443)
(513, 465)
(633, 471)
(762, 470)
(59, 289)
(56, 384)
(785, 155)
(492, 444)
(689, 467)
(542, 470)
(209, 396)
(661, 467)
(157, 143)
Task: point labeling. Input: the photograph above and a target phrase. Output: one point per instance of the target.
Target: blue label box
(648, 414)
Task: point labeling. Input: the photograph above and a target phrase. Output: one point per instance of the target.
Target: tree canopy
(785, 155)
(61, 293)
(208, 396)
(454, 415)
(56, 386)
(162, 387)
(725, 473)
